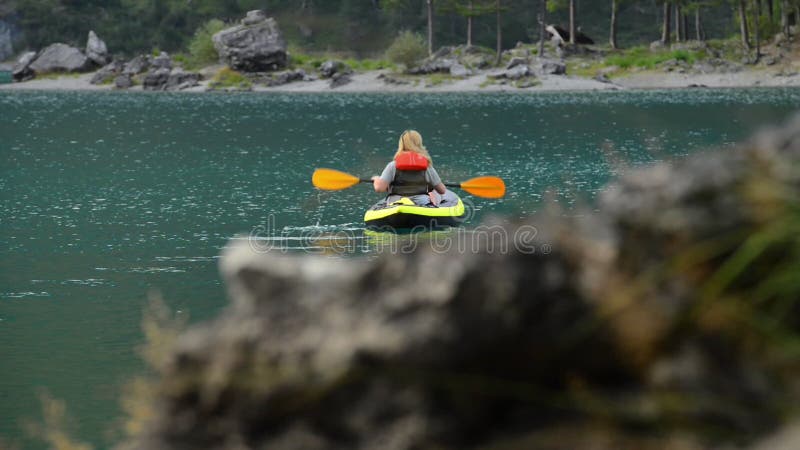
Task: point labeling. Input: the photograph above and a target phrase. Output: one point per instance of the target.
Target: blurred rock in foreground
(665, 320)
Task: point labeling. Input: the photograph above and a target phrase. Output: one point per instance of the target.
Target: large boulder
(96, 49)
(256, 45)
(60, 57)
(22, 70)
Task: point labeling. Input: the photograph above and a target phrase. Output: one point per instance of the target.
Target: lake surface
(107, 196)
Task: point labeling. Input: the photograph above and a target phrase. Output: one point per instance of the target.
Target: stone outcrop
(22, 70)
(123, 81)
(459, 70)
(256, 45)
(281, 78)
(457, 61)
(60, 57)
(108, 73)
(179, 80)
(340, 79)
(137, 65)
(162, 61)
(331, 67)
(166, 79)
(594, 330)
(514, 73)
(96, 50)
(156, 79)
(550, 67)
(435, 65)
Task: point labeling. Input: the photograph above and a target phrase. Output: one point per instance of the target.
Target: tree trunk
(542, 24)
(770, 12)
(785, 18)
(469, 25)
(665, 29)
(430, 26)
(679, 33)
(685, 18)
(499, 33)
(571, 21)
(700, 34)
(743, 25)
(757, 30)
(612, 39)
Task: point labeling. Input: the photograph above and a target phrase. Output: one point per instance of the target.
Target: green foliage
(312, 61)
(228, 78)
(437, 79)
(160, 327)
(753, 294)
(407, 49)
(56, 424)
(201, 47)
(369, 64)
(467, 8)
(644, 58)
(361, 28)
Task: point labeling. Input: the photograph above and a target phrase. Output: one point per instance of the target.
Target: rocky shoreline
(375, 81)
(254, 57)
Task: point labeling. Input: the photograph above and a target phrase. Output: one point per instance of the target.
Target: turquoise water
(107, 196)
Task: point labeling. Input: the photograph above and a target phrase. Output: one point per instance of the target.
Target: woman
(411, 173)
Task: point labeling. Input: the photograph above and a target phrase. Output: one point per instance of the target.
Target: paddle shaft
(455, 185)
(334, 180)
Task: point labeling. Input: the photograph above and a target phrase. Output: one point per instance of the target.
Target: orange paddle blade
(333, 180)
(486, 187)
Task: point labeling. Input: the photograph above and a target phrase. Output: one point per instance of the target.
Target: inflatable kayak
(401, 213)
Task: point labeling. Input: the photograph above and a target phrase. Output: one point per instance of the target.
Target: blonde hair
(411, 141)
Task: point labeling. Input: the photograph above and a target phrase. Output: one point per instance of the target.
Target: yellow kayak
(401, 213)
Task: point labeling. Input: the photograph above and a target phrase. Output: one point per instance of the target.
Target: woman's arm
(379, 184)
(433, 178)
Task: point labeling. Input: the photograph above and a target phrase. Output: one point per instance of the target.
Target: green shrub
(201, 47)
(229, 78)
(368, 64)
(407, 49)
(643, 58)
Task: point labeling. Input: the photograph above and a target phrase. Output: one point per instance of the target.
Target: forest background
(365, 28)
